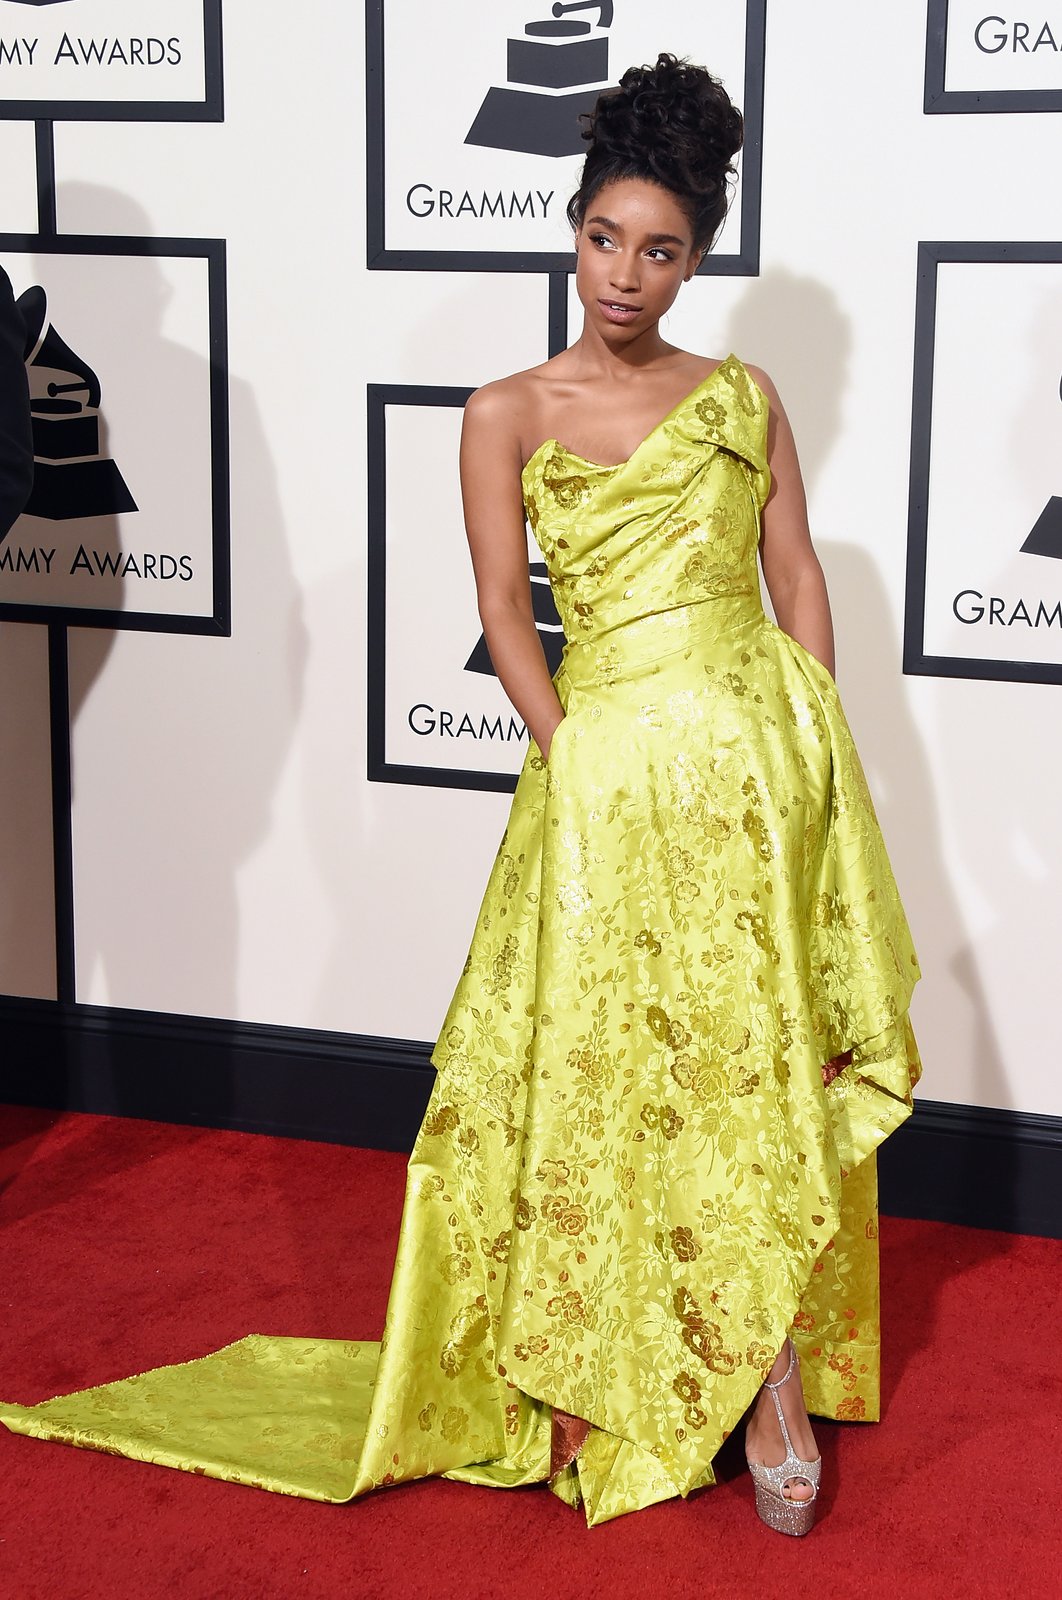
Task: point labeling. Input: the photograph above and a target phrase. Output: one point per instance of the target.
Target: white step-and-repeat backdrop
(287, 243)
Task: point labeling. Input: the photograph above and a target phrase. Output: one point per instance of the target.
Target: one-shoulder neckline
(615, 466)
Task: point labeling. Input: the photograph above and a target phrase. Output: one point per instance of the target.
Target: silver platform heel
(775, 1509)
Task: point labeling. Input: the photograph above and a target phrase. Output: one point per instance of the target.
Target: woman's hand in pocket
(549, 743)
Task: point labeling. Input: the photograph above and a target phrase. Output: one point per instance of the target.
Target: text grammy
(971, 606)
(422, 200)
(424, 719)
(993, 34)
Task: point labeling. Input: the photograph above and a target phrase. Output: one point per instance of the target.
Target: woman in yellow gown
(647, 1173)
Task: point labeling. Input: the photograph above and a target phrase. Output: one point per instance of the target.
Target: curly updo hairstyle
(672, 124)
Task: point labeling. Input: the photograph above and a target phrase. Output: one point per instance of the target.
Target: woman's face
(635, 250)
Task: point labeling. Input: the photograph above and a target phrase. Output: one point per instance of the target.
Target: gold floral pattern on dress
(455, 1267)
(687, 1388)
(569, 489)
(684, 1245)
(426, 1417)
(703, 573)
(468, 1328)
(664, 1118)
(733, 373)
(712, 414)
(442, 1121)
(570, 1306)
(700, 1076)
(567, 1218)
(453, 1423)
(498, 1248)
(760, 929)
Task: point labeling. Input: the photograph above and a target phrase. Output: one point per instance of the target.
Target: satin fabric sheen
(636, 1173)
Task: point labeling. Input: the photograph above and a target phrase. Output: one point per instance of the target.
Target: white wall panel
(18, 190)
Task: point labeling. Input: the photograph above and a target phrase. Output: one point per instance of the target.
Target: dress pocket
(554, 743)
(810, 665)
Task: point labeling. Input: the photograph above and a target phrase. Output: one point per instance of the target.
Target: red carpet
(130, 1244)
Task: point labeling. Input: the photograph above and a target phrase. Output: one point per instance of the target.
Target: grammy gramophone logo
(72, 477)
(547, 623)
(1046, 536)
(973, 607)
(556, 69)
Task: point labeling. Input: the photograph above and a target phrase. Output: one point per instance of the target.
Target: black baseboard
(981, 1167)
(342, 1088)
(948, 1163)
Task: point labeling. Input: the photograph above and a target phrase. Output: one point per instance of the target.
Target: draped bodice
(662, 546)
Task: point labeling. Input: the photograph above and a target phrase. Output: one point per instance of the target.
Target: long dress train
(678, 1039)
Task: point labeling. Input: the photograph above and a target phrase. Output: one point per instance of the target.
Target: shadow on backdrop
(794, 327)
(227, 707)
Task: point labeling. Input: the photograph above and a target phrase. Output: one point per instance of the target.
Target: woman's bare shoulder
(503, 396)
(511, 410)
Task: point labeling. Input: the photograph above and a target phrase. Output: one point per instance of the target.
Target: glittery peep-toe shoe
(773, 1506)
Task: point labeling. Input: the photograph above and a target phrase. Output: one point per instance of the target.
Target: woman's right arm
(494, 523)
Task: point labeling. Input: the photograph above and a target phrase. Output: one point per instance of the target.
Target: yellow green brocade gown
(679, 1036)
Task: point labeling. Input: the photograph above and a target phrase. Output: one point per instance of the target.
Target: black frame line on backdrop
(62, 812)
(916, 663)
(939, 100)
(48, 242)
(745, 263)
(210, 109)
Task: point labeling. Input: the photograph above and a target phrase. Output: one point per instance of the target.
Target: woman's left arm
(791, 568)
